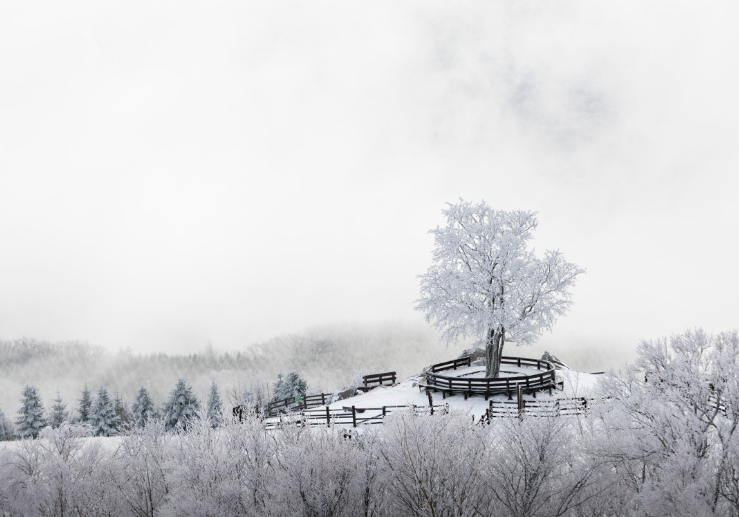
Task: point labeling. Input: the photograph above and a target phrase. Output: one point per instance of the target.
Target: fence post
(354, 416)
(328, 416)
(520, 401)
(431, 401)
(323, 399)
(383, 411)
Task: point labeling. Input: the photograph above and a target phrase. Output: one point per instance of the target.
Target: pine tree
(278, 388)
(85, 405)
(181, 408)
(215, 407)
(143, 408)
(6, 427)
(121, 411)
(59, 412)
(31, 414)
(246, 397)
(102, 415)
(290, 386)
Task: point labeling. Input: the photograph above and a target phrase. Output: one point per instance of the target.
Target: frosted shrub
(537, 467)
(203, 473)
(316, 472)
(434, 464)
(140, 477)
(59, 474)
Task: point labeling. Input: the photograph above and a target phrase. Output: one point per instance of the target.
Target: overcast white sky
(178, 172)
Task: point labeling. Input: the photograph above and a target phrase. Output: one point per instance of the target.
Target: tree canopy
(485, 282)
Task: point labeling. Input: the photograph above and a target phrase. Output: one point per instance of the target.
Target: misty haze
(228, 229)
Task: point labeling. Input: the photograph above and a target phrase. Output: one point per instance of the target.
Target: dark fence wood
(534, 408)
(289, 404)
(450, 365)
(350, 416)
(377, 379)
(493, 386)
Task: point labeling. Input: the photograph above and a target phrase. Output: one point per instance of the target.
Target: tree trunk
(494, 351)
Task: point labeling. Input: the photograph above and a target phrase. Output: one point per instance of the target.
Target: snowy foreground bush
(664, 444)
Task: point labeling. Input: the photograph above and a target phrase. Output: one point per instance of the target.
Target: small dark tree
(102, 416)
(142, 409)
(120, 407)
(215, 407)
(31, 414)
(59, 413)
(181, 408)
(85, 405)
(289, 386)
(6, 427)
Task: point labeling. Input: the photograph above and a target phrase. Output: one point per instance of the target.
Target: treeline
(106, 415)
(327, 358)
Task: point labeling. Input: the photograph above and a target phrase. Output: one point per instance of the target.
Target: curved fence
(491, 386)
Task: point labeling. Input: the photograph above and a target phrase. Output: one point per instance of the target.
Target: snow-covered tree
(143, 408)
(291, 385)
(673, 425)
(215, 407)
(120, 407)
(85, 405)
(142, 455)
(484, 282)
(6, 427)
(244, 396)
(432, 461)
(102, 417)
(31, 414)
(59, 413)
(181, 408)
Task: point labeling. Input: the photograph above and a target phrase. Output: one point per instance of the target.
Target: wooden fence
(535, 408)
(376, 379)
(480, 385)
(296, 404)
(353, 416)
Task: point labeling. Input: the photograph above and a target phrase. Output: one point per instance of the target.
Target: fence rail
(493, 386)
(376, 379)
(296, 404)
(548, 408)
(353, 415)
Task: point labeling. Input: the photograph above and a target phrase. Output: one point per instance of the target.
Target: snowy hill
(409, 393)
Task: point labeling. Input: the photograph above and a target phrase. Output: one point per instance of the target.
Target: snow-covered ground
(407, 392)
